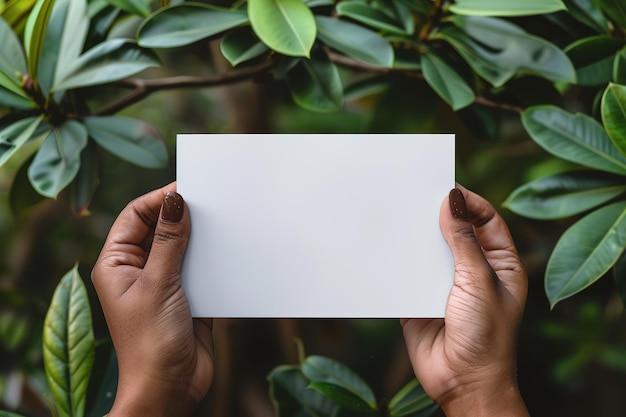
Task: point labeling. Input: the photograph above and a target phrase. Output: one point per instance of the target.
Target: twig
(498, 105)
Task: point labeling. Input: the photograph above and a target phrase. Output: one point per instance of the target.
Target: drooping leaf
(138, 7)
(412, 401)
(63, 42)
(614, 115)
(586, 251)
(593, 58)
(506, 8)
(574, 137)
(587, 12)
(615, 9)
(12, 59)
(565, 194)
(322, 369)
(342, 396)
(58, 159)
(68, 345)
(370, 16)
(86, 181)
(15, 13)
(133, 140)
(498, 50)
(186, 23)
(15, 135)
(10, 99)
(365, 87)
(108, 61)
(446, 81)
(315, 84)
(242, 45)
(355, 41)
(34, 33)
(286, 26)
(289, 393)
(619, 67)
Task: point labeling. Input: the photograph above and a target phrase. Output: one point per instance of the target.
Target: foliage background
(572, 359)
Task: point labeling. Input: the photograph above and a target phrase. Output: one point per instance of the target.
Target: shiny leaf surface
(506, 8)
(446, 82)
(290, 395)
(15, 135)
(242, 45)
(342, 396)
(594, 58)
(412, 401)
(370, 16)
(614, 115)
(315, 84)
(12, 59)
(35, 31)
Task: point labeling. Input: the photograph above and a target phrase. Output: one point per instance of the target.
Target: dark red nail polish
(173, 207)
(457, 204)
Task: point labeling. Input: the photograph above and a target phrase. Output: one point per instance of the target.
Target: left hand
(165, 357)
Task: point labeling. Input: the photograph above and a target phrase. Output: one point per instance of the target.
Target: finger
(123, 252)
(171, 235)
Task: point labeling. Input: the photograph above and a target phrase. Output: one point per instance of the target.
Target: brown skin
(466, 362)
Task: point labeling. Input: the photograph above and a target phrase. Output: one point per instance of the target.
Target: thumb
(171, 235)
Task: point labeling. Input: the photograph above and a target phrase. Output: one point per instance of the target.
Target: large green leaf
(12, 59)
(615, 9)
(139, 7)
(108, 61)
(15, 13)
(242, 45)
(506, 8)
(86, 181)
(588, 13)
(68, 345)
(58, 159)
(131, 139)
(593, 58)
(63, 43)
(342, 396)
(322, 369)
(412, 401)
(586, 251)
(15, 135)
(498, 50)
(565, 194)
(286, 26)
(614, 115)
(371, 16)
(315, 84)
(446, 81)
(34, 33)
(289, 393)
(574, 137)
(355, 41)
(186, 23)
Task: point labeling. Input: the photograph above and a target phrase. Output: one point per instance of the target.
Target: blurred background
(572, 360)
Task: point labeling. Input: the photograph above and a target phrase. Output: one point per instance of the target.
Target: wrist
(486, 399)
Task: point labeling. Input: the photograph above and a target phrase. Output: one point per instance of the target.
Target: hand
(165, 358)
(467, 361)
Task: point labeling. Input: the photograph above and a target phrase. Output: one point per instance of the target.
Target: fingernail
(457, 204)
(173, 205)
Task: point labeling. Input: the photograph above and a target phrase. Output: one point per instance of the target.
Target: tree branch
(143, 88)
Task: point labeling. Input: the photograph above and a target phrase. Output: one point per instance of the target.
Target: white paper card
(316, 225)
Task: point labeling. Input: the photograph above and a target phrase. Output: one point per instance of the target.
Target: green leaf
(506, 8)
(315, 84)
(68, 345)
(586, 251)
(615, 9)
(565, 194)
(619, 276)
(619, 67)
(58, 159)
(342, 396)
(286, 26)
(587, 12)
(7, 414)
(86, 181)
(446, 81)
(366, 87)
(593, 58)
(138, 7)
(15, 13)
(289, 393)
(34, 33)
(241, 45)
(63, 42)
(15, 135)
(108, 61)
(133, 140)
(186, 23)
(614, 115)
(10, 99)
(368, 15)
(322, 369)
(12, 59)
(412, 401)
(355, 41)
(574, 137)
(498, 50)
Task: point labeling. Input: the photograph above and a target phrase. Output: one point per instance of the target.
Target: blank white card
(342, 226)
